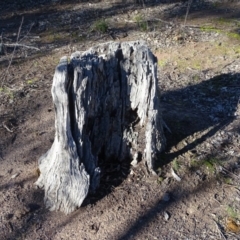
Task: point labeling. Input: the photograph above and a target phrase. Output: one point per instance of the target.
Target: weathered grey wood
(107, 107)
(62, 175)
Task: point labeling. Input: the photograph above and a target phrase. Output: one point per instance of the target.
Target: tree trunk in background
(106, 107)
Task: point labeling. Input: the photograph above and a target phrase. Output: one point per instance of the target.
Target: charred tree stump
(106, 106)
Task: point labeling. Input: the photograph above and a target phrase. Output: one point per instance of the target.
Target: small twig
(160, 20)
(187, 12)
(166, 126)
(191, 26)
(231, 173)
(149, 19)
(6, 127)
(20, 45)
(10, 62)
(216, 201)
(220, 231)
(27, 32)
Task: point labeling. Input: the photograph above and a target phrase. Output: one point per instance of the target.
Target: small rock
(166, 197)
(33, 207)
(134, 161)
(166, 216)
(42, 26)
(15, 175)
(237, 199)
(175, 176)
(8, 216)
(27, 209)
(18, 214)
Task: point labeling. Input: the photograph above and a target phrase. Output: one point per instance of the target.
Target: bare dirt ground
(199, 80)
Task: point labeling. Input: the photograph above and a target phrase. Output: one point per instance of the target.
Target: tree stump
(106, 107)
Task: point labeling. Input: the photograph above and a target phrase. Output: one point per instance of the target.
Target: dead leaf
(232, 226)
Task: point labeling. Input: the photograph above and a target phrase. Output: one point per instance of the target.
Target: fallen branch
(187, 12)
(10, 61)
(20, 45)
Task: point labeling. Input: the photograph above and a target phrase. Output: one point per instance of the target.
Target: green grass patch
(141, 23)
(197, 65)
(234, 35)
(195, 78)
(228, 22)
(225, 20)
(78, 37)
(175, 165)
(31, 81)
(237, 49)
(162, 63)
(100, 26)
(51, 36)
(7, 92)
(228, 180)
(216, 4)
(232, 212)
(210, 29)
(160, 179)
(210, 164)
(184, 64)
(194, 164)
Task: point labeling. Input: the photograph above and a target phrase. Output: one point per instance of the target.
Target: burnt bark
(106, 105)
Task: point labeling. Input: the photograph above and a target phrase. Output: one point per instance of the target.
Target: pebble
(166, 197)
(166, 216)
(15, 175)
(8, 216)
